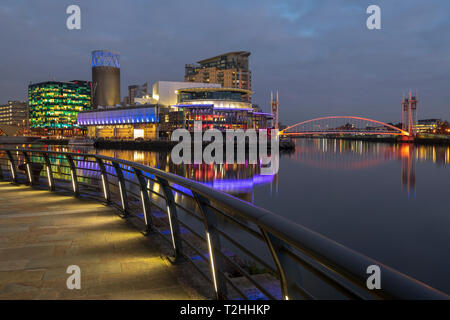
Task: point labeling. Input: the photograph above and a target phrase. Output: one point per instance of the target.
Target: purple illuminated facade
(114, 116)
(125, 123)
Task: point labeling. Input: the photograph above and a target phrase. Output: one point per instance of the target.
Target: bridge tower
(409, 114)
(274, 106)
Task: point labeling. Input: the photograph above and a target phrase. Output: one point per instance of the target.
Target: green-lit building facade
(54, 106)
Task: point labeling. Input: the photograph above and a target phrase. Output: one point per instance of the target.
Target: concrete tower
(105, 78)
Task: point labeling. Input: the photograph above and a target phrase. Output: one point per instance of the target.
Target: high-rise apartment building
(231, 70)
(14, 113)
(54, 106)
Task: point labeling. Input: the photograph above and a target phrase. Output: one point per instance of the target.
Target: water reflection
(354, 155)
(242, 179)
(237, 179)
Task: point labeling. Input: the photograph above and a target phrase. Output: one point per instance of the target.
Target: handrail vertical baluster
(172, 214)
(122, 189)
(213, 243)
(73, 174)
(29, 174)
(288, 271)
(145, 200)
(51, 181)
(105, 182)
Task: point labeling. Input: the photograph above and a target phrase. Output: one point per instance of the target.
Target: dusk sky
(319, 54)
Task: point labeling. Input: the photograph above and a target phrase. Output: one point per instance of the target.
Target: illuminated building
(54, 106)
(125, 123)
(218, 108)
(428, 125)
(105, 78)
(231, 70)
(14, 113)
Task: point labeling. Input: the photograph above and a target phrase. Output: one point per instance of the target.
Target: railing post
(145, 200)
(122, 188)
(173, 221)
(29, 174)
(288, 270)
(213, 243)
(105, 183)
(51, 181)
(73, 175)
(12, 165)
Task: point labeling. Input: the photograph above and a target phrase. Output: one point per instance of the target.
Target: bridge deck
(42, 233)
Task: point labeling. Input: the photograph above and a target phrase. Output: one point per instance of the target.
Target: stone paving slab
(42, 233)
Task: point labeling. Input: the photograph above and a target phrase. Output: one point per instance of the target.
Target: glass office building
(54, 106)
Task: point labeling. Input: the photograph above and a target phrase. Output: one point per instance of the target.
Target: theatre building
(125, 123)
(218, 108)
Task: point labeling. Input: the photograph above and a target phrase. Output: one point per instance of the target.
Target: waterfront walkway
(42, 233)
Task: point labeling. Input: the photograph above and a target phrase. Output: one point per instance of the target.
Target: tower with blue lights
(105, 78)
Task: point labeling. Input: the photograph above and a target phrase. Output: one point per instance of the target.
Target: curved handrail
(328, 254)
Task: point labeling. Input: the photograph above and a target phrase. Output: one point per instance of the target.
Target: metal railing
(243, 251)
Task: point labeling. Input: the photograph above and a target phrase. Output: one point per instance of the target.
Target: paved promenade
(42, 233)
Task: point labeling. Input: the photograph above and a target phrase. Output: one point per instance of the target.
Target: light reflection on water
(387, 201)
(237, 179)
(327, 154)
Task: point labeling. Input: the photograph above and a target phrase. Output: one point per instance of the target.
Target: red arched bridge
(337, 125)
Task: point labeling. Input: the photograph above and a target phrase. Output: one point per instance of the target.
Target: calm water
(389, 202)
